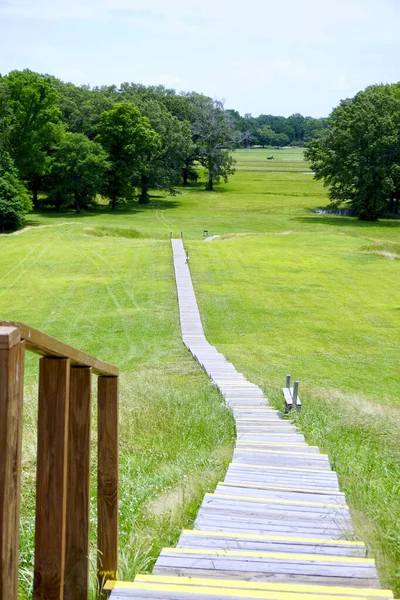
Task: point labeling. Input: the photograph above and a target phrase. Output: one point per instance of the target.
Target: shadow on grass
(200, 187)
(156, 203)
(337, 221)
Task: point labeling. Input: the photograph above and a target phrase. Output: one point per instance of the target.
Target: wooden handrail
(40, 343)
(63, 465)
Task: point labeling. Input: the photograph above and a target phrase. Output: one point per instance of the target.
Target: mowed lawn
(283, 290)
(318, 296)
(116, 298)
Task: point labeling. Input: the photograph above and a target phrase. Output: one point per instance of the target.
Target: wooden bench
(291, 395)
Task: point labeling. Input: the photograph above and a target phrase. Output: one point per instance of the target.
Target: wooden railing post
(51, 489)
(11, 401)
(107, 496)
(78, 485)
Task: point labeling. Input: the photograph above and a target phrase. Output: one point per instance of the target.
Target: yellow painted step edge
(281, 488)
(265, 431)
(310, 590)
(275, 444)
(267, 428)
(277, 420)
(276, 500)
(230, 592)
(272, 555)
(255, 536)
(310, 455)
(306, 470)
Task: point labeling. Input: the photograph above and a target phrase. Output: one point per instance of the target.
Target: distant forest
(62, 145)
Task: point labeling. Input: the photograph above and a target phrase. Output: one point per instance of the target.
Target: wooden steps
(278, 527)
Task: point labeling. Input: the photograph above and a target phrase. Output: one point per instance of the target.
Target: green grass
(115, 298)
(283, 290)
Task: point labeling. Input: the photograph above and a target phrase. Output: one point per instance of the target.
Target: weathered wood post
(51, 483)
(107, 496)
(78, 485)
(12, 351)
(295, 394)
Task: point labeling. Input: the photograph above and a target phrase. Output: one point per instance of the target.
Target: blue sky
(259, 56)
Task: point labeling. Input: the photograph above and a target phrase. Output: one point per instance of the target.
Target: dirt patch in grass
(388, 250)
(190, 491)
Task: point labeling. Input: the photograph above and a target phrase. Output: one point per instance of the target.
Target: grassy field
(115, 298)
(282, 290)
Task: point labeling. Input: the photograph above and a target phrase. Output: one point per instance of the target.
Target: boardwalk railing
(63, 465)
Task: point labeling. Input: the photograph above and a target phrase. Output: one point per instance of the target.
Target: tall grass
(282, 290)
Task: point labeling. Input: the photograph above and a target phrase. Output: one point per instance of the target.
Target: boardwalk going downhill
(278, 527)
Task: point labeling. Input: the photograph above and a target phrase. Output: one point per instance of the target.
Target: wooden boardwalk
(278, 526)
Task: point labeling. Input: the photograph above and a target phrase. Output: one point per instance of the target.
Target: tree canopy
(131, 144)
(67, 143)
(214, 138)
(77, 171)
(14, 197)
(359, 156)
(35, 123)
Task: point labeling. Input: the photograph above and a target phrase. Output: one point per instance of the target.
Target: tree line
(62, 144)
(270, 130)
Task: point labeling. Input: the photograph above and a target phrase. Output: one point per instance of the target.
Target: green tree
(266, 136)
(81, 106)
(131, 144)
(214, 138)
(164, 168)
(279, 140)
(359, 156)
(77, 171)
(14, 198)
(35, 124)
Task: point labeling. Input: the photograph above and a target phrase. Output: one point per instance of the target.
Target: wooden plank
(232, 543)
(107, 491)
(278, 498)
(261, 586)
(291, 540)
(297, 490)
(270, 567)
(78, 487)
(304, 522)
(218, 521)
(280, 452)
(253, 509)
(223, 571)
(45, 345)
(11, 406)
(286, 557)
(142, 590)
(51, 489)
(286, 469)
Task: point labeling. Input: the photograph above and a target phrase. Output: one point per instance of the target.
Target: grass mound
(389, 250)
(114, 232)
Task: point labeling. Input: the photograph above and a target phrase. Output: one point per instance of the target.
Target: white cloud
(306, 21)
(289, 55)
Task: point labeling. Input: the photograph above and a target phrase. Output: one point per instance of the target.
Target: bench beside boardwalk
(278, 527)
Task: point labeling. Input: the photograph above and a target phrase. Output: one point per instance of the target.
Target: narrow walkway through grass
(278, 525)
